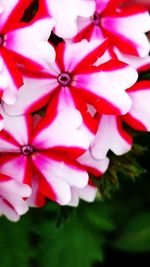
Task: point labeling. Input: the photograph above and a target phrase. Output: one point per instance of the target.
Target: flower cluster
(68, 82)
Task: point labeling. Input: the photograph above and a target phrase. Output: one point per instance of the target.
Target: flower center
(1, 40)
(96, 18)
(27, 150)
(64, 79)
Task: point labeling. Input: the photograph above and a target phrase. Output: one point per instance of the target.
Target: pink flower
(65, 13)
(124, 26)
(21, 43)
(65, 100)
(104, 86)
(48, 152)
(12, 194)
(138, 118)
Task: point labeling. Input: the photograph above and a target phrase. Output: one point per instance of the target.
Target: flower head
(124, 25)
(49, 151)
(104, 86)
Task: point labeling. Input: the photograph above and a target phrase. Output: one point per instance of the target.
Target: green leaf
(136, 235)
(14, 243)
(78, 241)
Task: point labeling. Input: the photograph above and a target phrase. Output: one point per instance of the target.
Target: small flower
(49, 151)
(104, 86)
(124, 26)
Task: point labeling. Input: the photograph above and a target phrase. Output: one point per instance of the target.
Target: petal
(85, 7)
(36, 199)
(139, 115)
(94, 166)
(12, 78)
(128, 29)
(22, 41)
(1, 122)
(140, 64)
(75, 8)
(78, 55)
(11, 195)
(110, 136)
(11, 12)
(16, 132)
(33, 95)
(143, 2)
(17, 167)
(101, 5)
(104, 86)
(85, 29)
(8, 211)
(58, 176)
(67, 98)
(69, 138)
(88, 193)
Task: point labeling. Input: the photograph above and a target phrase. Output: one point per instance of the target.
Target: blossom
(65, 13)
(48, 151)
(64, 100)
(125, 26)
(12, 194)
(104, 86)
(17, 40)
(138, 118)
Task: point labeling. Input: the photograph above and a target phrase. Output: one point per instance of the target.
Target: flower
(124, 26)
(49, 151)
(104, 86)
(12, 194)
(17, 39)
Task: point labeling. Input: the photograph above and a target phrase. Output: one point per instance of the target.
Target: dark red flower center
(27, 150)
(64, 79)
(96, 18)
(1, 40)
